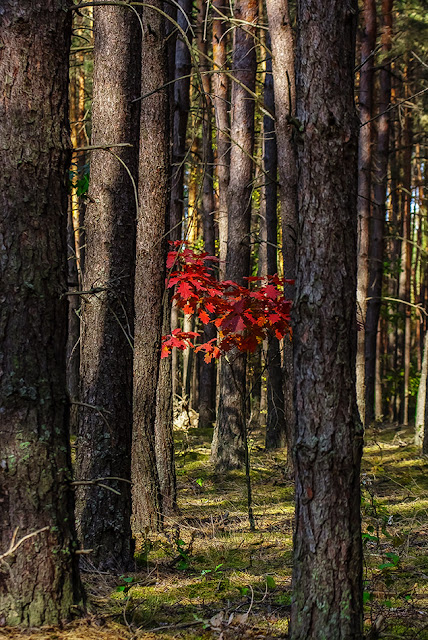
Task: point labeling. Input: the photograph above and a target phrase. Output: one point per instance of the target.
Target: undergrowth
(208, 576)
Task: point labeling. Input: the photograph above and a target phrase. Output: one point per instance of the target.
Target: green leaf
(366, 596)
(271, 584)
(130, 579)
(200, 482)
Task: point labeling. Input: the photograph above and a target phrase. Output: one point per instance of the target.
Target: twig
(98, 482)
(15, 545)
(394, 106)
(106, 147)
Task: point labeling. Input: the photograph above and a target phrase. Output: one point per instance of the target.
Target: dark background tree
(228, 442)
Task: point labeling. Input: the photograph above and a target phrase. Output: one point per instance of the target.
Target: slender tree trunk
(105, 420)
(73, 333)
(407, 254)
(152, 224)
(378, 215)
(178, 66)
(368, 45)
(207, 372)
(164, 426)
(228, 443)
(327, 568)
(275, 425)
(281, 34)
(421, 431)
(221, 110)
(378, 375)
(39, 582)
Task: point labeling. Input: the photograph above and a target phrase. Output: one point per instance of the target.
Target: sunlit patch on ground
(210, 575)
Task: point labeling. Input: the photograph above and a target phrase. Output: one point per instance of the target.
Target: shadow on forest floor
(210, 577)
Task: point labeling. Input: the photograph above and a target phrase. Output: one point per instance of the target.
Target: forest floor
(210, 578)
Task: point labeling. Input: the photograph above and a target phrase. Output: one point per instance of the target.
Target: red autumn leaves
(244, 317)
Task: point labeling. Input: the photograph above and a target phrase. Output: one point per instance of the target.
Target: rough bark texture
(105, 420)
(152, 223)
(179, 66)
(207, 372)
(406, 252)
(73, 334)
(39, 583)
(281, 34)
(221, 110)
(327, 568)
(164, 425)
(228, 443)
(380, 179)
(180, 117)
(368, 44)
(275, 425)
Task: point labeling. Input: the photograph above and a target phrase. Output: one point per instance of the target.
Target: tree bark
(281, 34)
(368, 45)
(327, 568)
(207, 372)
(275, 425)
(407, 249)
(105, 420)
(152, 224)
(39, 582)
(378, 215)
(421, 431)
(228, 442)
(222, 123)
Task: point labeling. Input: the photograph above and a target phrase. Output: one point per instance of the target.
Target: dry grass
(190, 589)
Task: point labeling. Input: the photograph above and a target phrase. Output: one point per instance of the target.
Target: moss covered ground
(209, 577)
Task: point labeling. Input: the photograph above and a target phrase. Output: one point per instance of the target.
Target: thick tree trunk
(378, 215)
(228, 443)
(105, 420)
(221, 111)
(39, 582)
(281, 34)
(207, 372)
(327, 569)
(152, 224)
(368, 45)
(275, 425)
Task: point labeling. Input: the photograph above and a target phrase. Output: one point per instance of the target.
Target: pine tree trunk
(378, 215)
(407, 255)
(152, 224)
(207, 372)
(327, 568)
(275, 425)
(228, 442)
(39, 582)
(179, 65)
(105, 420)
(281, 34)
(221, 111)
(368, 45)
(421, 430)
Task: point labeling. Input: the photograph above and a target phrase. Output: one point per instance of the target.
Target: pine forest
(214, 319)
